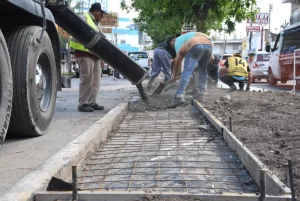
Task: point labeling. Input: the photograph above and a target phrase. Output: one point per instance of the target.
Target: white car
(142, 58)
(259, 63)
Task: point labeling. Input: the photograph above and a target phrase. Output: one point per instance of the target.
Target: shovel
(162, 86)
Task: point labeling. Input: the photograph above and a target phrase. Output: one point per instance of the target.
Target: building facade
(295, 11)
(227, 47)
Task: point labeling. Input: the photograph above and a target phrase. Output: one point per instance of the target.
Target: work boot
(150, 83)
(95, 106)
(85, 108)
(232, 88)
(177, 101)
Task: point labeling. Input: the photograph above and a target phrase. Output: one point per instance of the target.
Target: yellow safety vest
(237, 67)
(75, 44)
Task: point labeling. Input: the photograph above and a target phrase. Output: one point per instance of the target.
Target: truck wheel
(6, 88)
(35, 80)
(272, 81)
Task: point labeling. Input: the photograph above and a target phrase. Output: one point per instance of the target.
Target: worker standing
(89, 64)
(163, 55)
(196, 50)
(236, 69)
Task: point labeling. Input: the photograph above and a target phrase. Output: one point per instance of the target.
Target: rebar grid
(166, 151)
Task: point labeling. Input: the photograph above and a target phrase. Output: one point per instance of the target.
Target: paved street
(21, 156)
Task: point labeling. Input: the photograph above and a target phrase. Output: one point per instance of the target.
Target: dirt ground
(266, 122)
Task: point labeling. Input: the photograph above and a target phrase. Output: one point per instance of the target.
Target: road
(20, 156)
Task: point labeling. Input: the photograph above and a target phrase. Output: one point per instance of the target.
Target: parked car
(106, 69)
(259, 63)
(142, 58)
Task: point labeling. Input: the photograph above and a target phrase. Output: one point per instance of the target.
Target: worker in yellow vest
(89, 64)
(236, 69)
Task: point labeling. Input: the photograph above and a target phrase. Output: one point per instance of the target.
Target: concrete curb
(75, 153)
(130, 196)
(250, 161)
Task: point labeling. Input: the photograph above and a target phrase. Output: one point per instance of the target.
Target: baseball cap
(97, 6)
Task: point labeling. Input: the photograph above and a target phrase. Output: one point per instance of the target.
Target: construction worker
(196, 50)
(213, 68)
(89, 64)
(163, 55)
(236, 69)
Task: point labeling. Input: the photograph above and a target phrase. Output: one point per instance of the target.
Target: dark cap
(215, 61)
(97, 6)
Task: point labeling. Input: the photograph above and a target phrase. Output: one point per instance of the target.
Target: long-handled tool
(162, 86)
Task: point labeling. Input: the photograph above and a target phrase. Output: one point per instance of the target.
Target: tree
(160, 18)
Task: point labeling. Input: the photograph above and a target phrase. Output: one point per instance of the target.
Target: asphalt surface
(18, 157)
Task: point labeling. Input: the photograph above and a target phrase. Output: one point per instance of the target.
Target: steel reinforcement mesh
(174, 150)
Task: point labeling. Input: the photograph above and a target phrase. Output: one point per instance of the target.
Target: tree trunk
(202, 15)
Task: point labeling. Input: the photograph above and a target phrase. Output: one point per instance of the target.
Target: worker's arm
(177, 63)
(224, 69)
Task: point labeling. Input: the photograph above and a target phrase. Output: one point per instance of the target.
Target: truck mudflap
(98, 44)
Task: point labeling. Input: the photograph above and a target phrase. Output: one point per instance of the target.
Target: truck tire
(272, 81)
(6, 88)
(35, 81)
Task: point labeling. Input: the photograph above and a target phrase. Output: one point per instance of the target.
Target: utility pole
(270, 10)
(269, 32)
(262, 38)
(250, 38)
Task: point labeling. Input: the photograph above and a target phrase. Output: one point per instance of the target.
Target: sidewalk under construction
(166, 151)
(182, 153)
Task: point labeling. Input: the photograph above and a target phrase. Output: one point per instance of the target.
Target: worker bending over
(163, 55)
(236, 69)
(196, 50)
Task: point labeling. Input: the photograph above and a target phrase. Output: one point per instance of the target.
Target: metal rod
(163, 187)
(291, 180)
(145, 174)
(74, 184)
(154, 167)
(162, 156)
(230, 124)
(262, 185)
(163, 180)
(222, 162)
(286, 175)
(98, 153)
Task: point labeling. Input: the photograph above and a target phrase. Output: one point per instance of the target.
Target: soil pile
(266, 122)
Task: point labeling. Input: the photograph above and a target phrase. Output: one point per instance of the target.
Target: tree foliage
(160, 18)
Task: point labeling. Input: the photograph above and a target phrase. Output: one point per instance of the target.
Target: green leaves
(160, 18)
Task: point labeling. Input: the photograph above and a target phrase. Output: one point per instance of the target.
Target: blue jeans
(199, 55)
(162, 61)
